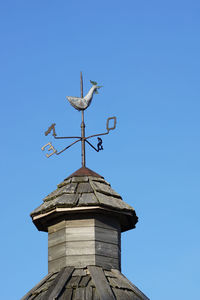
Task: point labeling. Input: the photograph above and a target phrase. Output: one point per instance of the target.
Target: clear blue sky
(146, 56)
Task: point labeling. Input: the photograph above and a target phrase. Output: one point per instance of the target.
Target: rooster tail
(93, 82)
(97, 87)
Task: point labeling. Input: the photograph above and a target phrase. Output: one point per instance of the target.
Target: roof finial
(81, 103)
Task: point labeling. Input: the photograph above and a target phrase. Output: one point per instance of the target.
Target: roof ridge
(91, 183)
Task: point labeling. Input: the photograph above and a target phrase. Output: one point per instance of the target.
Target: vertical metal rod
(82, 127)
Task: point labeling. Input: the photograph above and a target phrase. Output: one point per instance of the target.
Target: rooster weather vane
(80, 104)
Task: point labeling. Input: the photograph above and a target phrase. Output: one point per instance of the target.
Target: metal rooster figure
(84, 102)
(80, 103)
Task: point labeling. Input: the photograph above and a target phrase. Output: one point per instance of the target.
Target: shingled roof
(85, 197)
(91, 283)
(85, 189)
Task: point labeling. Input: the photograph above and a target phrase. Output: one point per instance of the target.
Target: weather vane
(80, 103)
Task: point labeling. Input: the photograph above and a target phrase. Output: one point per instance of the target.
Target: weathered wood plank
(84, 281)
(106, 235)
(58, 284)
(109, 273)
(83, 248)
(79, 272)
(39, 297)
(65, 182)
(86, 222)
(56, 251)
(79, 294)
(84, 187)
(56, 227)
(83, 233)
(56, 237)
(108, 222)
(121, 294)
(68, 188)
(53, 277)
(101, 283)
(67, 294)
(107, 249)
(95, 294)
(91, 283)
(130, 284)
(57, 264)
(80, 179)
(87, 199)
(72, 260)
(131, 295)
(113, 202)
(37, 286)
(43, 287)
(68, 200)
(80, 234)
(51, 195)
(105, 189)
(74, 282)
(117, 282)
(98, 179)
(107, 262)
(99, 221)
(80, 248)
(88, 293)
(80, 261)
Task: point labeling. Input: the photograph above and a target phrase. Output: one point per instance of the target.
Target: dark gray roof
(89, 190)
(91, 283)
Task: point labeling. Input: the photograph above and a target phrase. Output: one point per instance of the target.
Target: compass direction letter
(51, 147)
(52, 127)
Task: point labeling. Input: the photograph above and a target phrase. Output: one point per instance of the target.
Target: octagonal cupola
(84, 218)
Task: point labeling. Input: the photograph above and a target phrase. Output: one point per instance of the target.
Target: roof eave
(42, 221)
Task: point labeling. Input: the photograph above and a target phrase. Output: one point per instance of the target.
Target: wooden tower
(84, 218)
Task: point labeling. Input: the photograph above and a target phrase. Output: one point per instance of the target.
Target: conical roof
(83, 190)
(91, 283)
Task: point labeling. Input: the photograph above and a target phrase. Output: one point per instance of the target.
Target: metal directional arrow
(81, 104)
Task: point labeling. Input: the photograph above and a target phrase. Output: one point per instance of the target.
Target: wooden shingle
(97, 284)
